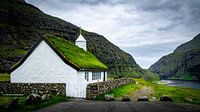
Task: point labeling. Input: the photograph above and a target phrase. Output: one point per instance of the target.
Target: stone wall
(27, 88)
(95, 89)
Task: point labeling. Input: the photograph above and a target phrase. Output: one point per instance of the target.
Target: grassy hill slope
(183, 63)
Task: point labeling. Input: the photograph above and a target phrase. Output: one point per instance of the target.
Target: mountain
(21, 22)
(183, 63)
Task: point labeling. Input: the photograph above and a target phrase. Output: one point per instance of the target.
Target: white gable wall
(45, 66)
(82, 44)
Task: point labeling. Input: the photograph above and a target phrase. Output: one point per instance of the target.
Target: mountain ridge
(183, 63)
(20, 22)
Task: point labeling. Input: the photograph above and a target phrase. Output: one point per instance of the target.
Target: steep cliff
(20, 22)
(183, 63)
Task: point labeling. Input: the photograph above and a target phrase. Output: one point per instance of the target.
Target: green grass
(74, 54)
(23, 107)
(7, 52)
(4, 77)
(178, 94)
(121, 91)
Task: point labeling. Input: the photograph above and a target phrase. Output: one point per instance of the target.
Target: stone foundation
(95, 89)
(28, 88)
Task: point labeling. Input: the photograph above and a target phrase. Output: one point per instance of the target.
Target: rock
(109, 98)
(142, 98)
(125, 98)
(45, 97)
(188, 99)
(1, 93)
(153, 99)
(166, 98)
(33, 98)
(13, 103)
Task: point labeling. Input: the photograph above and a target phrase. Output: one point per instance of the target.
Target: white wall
(45, 66)
(82, 44)
(82, 82)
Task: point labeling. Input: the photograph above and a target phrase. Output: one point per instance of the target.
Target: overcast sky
(146, 29)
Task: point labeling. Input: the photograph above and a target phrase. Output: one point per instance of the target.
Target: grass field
(178, 94)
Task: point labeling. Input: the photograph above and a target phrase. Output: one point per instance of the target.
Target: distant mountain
(183, 63)
(20, 22)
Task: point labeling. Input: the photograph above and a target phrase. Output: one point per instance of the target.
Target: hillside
(183, 63)
(20, 22)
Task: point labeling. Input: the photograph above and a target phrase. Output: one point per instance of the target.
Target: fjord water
(182, 83)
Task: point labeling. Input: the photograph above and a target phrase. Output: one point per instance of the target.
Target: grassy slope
(4, 77)
(121, 91)
(177, 65)
(76, 55)
(178, 94)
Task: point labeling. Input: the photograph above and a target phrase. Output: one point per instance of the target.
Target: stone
(109, 98)
(125, 98)
(33, 98)
(13, 103)
(45, 97)
(166, 98)
(153, 99)
(1, 93)
(142, 98)
(188, 99)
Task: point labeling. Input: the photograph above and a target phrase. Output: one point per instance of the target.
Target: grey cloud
(143, 28)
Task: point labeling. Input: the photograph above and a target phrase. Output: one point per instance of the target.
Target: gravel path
(114, 106)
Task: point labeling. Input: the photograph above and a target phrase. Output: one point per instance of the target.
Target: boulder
(33, 98)
(125, 98)
(142, 98)
(188, 99)
(166, 98)
(13, 103)
(45, 97)
(153, 99)
(109, 98)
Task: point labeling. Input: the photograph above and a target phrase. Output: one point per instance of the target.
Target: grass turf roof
(75, 55)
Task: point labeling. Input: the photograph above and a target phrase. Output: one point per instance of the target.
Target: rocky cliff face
(183, 63)
(20, 22)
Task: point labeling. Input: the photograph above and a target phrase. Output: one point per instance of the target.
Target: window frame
(96, 75)
(87, 76)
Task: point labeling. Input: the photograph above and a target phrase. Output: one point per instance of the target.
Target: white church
(44, 63)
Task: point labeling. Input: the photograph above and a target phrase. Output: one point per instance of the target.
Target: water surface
(180, 83)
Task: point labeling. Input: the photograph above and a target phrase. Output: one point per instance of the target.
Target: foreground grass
(121, 91)
(4, 77)
(23, 107)
(178, 94)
